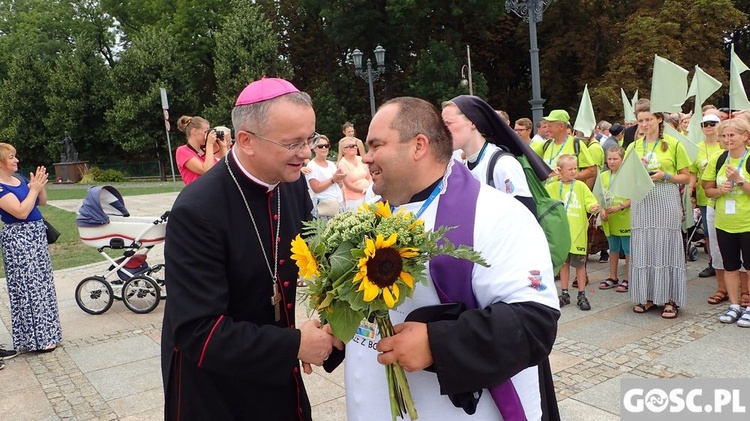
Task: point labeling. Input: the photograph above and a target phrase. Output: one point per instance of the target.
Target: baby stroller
(104, 223)
(696, 235)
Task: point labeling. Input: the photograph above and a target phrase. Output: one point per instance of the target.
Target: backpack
(576, 145)
(550, 213)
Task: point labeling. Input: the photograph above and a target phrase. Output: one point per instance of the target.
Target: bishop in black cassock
(225, 355)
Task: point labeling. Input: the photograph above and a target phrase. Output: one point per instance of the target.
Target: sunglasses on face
(324, 146)
(709, 124)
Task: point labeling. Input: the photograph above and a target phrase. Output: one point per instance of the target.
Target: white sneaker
(731, 315)
(744, 320)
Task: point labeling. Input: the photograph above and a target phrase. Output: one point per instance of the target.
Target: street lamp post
(369, 74)
(531, 11)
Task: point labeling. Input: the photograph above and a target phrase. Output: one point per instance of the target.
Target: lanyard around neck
(435, 192)
(572, 183)
(739, 166)
(559, 150)
(652, 149)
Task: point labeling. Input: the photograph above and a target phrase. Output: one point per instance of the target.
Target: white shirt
(323, 174)
(508, 173)
(500, 222)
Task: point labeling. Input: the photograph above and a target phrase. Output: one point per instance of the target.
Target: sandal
(644, 308)
(51, 347)
(301, 284)
(623, 287)
(745, 299)
(720, 297)
(609, 283)
(731, 315)
(670, 311)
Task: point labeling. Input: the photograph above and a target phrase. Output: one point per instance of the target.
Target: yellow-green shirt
(705, 152)
(555, 151)
(619, 222)
(674, 159)
(726, 220)
(597, 154)
(578, 200)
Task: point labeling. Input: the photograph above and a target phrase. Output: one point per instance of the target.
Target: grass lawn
(78, 191)
(69, 251)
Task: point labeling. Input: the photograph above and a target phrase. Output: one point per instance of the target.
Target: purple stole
(452, 277)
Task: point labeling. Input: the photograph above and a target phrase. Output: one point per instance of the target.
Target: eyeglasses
(324, 146)
(522, 129)
(709, 124)
(350, 146)
(291, 147)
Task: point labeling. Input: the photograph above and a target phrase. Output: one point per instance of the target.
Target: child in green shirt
(578, 201)
(615, 221)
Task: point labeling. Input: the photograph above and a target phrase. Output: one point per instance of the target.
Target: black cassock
(223, 354)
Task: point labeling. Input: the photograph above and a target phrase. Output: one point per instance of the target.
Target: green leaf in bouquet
(341, 260)
(343, 320)
(348, 293)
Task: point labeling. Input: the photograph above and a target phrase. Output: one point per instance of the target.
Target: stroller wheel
(693, 253)
(141, 294)
(94, 295)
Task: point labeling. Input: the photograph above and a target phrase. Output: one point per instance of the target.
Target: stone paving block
(151, 415)
(320, 389)
(127, 379)
(334, 410)
(605, 395)
(28, 404)
(114, 353)
(138, 403)
(573, 410)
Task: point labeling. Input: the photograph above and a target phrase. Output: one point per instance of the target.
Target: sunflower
(381, 267)
(383, 209)
(304, 259)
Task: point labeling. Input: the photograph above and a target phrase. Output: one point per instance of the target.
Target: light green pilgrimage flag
(737, 95)
(691, 148)
(632, 181)
(702, 86)
(585, 120)
(628, 114)
(687, 205)
(668, 86)
(598, 190)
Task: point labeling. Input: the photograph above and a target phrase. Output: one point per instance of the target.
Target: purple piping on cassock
(452, 277)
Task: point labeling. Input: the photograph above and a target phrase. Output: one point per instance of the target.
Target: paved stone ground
(107, 367)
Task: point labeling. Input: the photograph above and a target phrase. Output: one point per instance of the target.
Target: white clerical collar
(255, 179)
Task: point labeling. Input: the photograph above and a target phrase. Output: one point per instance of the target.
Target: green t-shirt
(705, 152)
(597, 154)
(619, 222)
(674, 159)
(577, 205)
(555, 151)
(726, 220)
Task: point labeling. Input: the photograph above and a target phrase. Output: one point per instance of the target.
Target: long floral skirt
(657, 253)
(31, 286)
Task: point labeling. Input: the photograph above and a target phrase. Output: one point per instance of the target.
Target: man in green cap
(562, 143)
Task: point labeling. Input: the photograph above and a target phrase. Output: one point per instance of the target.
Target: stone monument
(69, 169)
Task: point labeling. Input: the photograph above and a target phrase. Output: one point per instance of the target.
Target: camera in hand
(219, 134)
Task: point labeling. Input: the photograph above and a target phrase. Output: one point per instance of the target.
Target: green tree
(22, 107)
(244, 53)
(77, 100)
(135, 122)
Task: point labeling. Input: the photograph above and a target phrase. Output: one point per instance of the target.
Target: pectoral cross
(276, 301)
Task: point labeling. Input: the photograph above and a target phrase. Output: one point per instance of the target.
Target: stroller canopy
(99, 203)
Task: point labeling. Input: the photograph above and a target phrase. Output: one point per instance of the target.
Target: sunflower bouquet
(359, 265)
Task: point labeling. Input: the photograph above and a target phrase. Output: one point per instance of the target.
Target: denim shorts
(619, 244)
